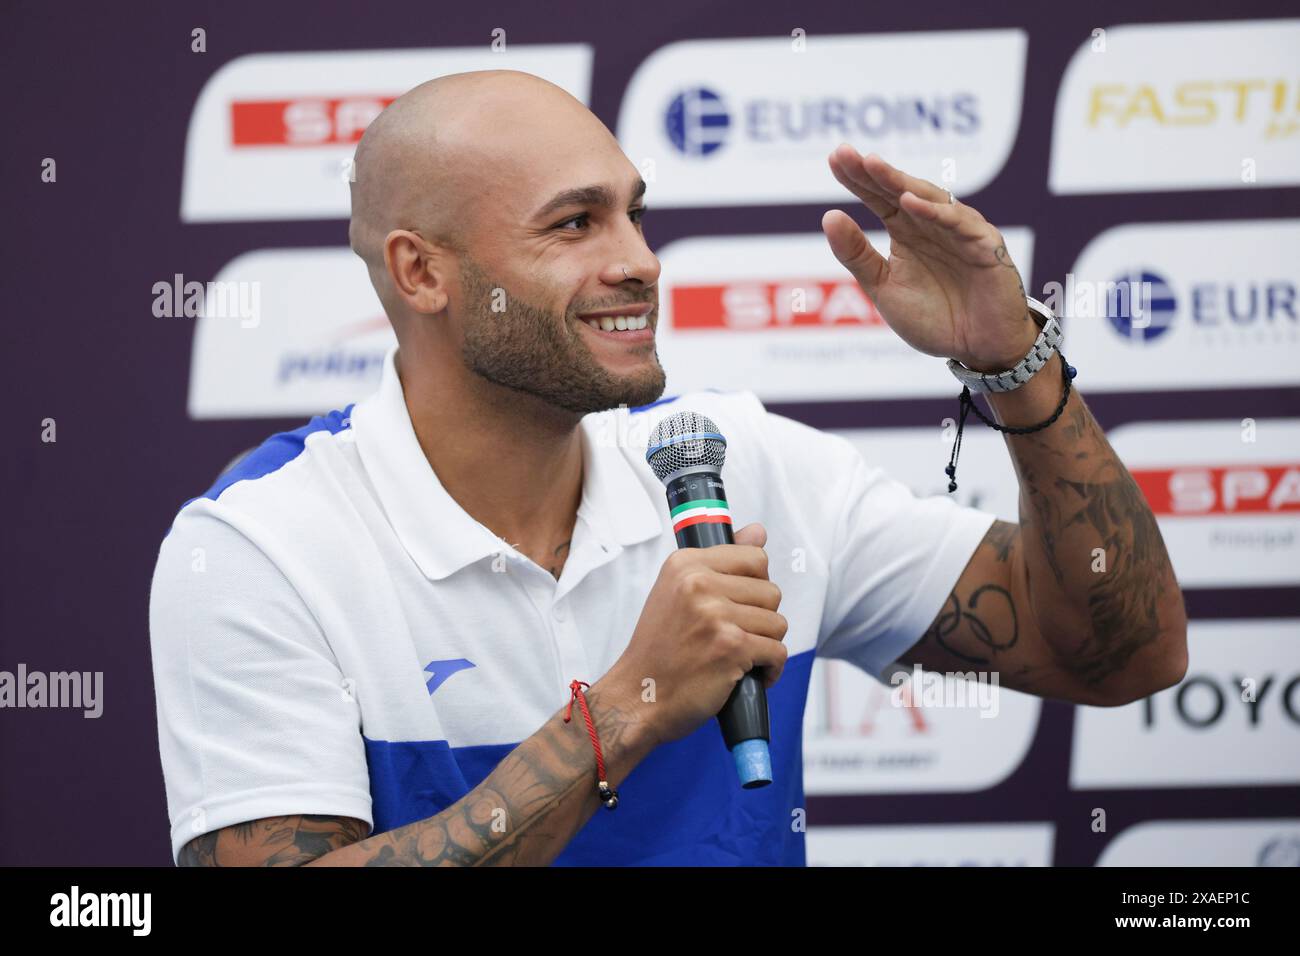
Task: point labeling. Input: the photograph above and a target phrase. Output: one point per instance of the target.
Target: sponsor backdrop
(180, 287)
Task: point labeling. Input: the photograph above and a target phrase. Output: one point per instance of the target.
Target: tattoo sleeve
(523, 813)
(1101, 588)
(273, 841)
(1079, 601)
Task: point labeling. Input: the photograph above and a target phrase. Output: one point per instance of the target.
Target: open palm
(949, 287)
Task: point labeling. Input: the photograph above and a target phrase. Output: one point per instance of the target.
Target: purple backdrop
(107, 91)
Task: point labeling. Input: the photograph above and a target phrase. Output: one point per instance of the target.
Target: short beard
(531, 350)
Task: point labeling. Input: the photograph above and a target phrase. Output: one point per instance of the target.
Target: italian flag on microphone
(700, 511)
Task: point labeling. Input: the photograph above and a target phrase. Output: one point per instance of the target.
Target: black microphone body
(697, 503)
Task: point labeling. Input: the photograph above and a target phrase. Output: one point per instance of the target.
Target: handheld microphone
(686, 452)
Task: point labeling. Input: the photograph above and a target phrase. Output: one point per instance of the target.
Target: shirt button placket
(572, 653)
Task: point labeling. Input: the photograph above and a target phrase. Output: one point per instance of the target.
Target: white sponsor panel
(1206, 843)
(1234, 720)
(781, 316)
(1226, 495)
(1180, 106)
(982, 844)
(318, 345)
(1161, 306)
(751, 121)
(862, 736)
(271, 134)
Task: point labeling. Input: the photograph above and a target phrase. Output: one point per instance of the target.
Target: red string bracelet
(608, 795)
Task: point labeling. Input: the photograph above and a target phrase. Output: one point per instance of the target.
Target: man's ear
(418, 270)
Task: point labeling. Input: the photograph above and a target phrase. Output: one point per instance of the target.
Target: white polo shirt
(333, 634)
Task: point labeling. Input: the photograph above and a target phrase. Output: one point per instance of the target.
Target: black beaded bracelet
(1068, 372)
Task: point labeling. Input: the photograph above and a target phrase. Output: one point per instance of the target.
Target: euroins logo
(698, 120)
(1140, 306)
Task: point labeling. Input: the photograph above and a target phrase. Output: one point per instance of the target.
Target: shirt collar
(438, 534)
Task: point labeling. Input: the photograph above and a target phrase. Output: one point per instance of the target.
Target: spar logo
(1221, 490)
(759, 306)
(309, 121)
(1140, 306)
(697, 122)
(272, 135)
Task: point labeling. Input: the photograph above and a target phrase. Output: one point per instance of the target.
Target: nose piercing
(625, 275)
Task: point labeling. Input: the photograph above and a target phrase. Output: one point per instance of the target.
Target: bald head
(440, 153)
(498, 217)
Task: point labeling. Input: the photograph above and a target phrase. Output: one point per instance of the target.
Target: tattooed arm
(1039, 602)
(1029, 604)
(273, 841)
(523, 813)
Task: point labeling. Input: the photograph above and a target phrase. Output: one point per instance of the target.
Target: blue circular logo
(697, 122)
(1140, 306)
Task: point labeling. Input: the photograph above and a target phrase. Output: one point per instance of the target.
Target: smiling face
(501, 224)
(561, 320)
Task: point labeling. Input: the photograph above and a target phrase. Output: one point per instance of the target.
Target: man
(365, 635)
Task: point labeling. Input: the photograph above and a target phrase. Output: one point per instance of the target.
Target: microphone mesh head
(685, 440)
